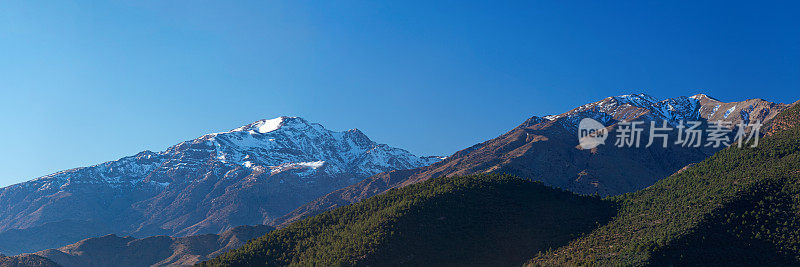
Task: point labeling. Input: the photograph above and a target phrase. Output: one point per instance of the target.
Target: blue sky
(86, 82)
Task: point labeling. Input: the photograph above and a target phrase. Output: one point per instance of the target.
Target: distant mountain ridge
(647, 108)
(249, 175)
(151, 251)
(545, 149)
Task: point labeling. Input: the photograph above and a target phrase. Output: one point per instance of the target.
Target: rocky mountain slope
(547, 149)
(249, 175)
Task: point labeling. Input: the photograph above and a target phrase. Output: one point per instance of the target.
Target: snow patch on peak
(714, 111)
(271, 125)
(729, 111)
(260, 126)
(265, 126)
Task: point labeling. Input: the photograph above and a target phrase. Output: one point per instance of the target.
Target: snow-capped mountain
(291, 143)
(249, 175)
(672, 110)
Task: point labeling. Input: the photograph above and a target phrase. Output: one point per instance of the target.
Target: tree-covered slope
(740, 206)
(470, 220)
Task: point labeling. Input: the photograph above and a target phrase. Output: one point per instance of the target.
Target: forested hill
(470, 220)
(740, 206)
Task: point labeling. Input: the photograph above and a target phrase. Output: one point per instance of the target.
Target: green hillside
(740, 206)
(471, 220)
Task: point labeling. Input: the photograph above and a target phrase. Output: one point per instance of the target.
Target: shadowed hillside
(470, 220)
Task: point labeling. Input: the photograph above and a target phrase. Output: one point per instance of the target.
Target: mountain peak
(269, 125)
(699, 106)
(702, 97)
(636, 97)
(265, 126)
(638, 100)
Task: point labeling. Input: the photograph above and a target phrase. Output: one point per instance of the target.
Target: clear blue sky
(86, 82)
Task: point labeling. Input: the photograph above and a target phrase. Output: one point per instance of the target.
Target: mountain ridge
(151, 251)
(544, 148)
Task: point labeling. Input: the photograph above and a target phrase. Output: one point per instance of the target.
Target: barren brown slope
(546, 150)
(783, 122)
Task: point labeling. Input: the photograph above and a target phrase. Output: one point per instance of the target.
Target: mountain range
(738, 207)
(247, 176)
(280, 171)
